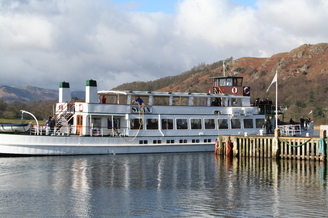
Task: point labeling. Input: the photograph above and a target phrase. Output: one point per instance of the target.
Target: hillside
(302, 79)
(30, 93)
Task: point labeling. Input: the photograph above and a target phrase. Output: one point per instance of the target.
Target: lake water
(161, 185)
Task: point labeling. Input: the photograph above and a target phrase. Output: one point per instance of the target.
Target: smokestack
(64, 92)
(91, 92)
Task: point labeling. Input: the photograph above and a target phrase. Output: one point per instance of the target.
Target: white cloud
(45, 42)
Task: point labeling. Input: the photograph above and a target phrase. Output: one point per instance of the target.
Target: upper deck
(174, 98)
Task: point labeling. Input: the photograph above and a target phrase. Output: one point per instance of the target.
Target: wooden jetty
(276, 146)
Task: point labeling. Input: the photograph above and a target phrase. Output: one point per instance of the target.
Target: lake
(161, 185)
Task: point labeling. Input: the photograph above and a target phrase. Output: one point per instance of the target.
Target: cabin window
(223, 124)
(209, 124)
(223, 82)
(229, 82)
(248, 123)
(196, 123)
(235, 124)
(259, 123)
(96, 122)
(167, 123)
(152, 123)
(237, 81)
(136, 124)
(182, 124)
(115, 124)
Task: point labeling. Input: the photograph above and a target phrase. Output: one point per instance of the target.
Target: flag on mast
(273, 81)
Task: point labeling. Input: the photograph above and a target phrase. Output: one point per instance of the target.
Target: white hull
(73, 145)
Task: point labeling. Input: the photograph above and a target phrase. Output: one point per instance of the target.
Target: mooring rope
(295, 146)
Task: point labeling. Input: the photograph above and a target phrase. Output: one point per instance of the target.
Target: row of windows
(171, 141)
(170, 124)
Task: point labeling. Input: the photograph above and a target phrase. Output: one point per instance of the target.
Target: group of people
(264, 105)
(259, 102)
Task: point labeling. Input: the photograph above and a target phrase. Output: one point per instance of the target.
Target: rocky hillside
(302, 79)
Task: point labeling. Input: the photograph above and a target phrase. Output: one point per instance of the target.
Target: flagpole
(277, 100)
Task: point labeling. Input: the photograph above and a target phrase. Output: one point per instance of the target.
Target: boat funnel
(91, 92)
(64, 92)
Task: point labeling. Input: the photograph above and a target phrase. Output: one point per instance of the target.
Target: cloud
(45, 42)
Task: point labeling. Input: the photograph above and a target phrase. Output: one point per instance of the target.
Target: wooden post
(275, 144)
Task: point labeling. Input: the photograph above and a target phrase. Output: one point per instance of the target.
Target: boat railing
(290, 129)
(270, 109)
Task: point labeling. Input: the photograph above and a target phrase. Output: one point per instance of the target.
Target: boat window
(96, 122)
(196, 124)
(167, 123)
(110, 125)
(209, 124)
(136, 124)
(182, 124)
(235, 124)
(259, 123)
(248, 123)
(229, 82)
(237, 81)
(223, 124)
(152, 123)
(223, 82)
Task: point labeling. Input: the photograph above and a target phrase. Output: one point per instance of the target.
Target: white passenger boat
(164, 122)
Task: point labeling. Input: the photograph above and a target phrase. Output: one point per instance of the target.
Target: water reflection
(199, 184)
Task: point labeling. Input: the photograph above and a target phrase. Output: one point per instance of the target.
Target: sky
(45, 42)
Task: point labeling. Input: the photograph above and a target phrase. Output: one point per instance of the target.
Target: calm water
(160, 186)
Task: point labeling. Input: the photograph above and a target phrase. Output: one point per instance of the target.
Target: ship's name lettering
(145, 109)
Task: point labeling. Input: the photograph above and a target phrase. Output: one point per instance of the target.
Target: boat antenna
(225, 70)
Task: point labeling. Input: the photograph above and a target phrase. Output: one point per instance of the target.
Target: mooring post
(275, 143)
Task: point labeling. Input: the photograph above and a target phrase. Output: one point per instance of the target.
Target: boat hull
(73, 145)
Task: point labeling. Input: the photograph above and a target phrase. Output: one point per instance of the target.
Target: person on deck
(139, 100)
(302, 121)
(103, 99)
(215, 102)
(49, 126)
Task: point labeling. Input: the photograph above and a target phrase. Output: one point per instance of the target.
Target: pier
(276, 146)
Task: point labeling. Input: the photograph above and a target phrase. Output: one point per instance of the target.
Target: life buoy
(234, 90)
(246, 90)
(60, 107)
(80, 107)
